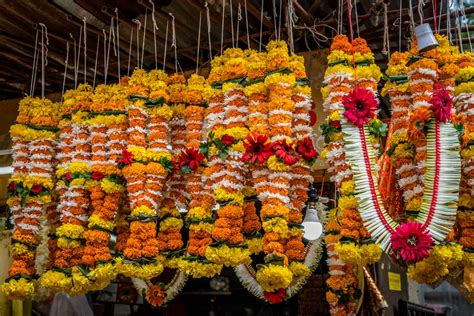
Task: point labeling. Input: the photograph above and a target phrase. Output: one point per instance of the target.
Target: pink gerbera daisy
(412, 242)
(441, 104)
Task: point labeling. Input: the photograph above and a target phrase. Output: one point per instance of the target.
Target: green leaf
(223, 154)
(204, 149)
(186, 169)
(167, 164)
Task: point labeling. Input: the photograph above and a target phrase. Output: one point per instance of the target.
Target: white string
(96, 59)
(75, 63)
(65, 71)
(340, 11)
(111, 34)
(412, 18)
(279, 20)
(439, 17)
(199, 44)
(239, 18)
(222, 26)
(247, 25)
(386, 38)
(173, 42)
(458, 28)
(85, 49)
(143, 40)
(421, 4)
(261, 25)
(274, 17)
(130, 52)
(357, 17)
(166, 46)
(33, 67)
(231, 9)
(78, 62)
(139, 26)
(36, 72)
(105, 54)
(400, 27)
(42, 58)
(448, 23)
(118, 44)
(155, 28)
(463, 13)
(290, 25)
(208, 29)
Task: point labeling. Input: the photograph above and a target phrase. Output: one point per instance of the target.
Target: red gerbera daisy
(127, 157)
(360, 105)
(285, 152)
(441, 103)
(155, 295)
(257, 148)
(275, 297)
(190, 158)
(412, 242)
(305, 148)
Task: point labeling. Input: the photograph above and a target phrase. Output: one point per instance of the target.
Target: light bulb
(312, 226)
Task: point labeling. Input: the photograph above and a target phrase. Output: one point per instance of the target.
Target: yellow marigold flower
(347, 187)
(273, 277)
(300, 271)
(228, 256)
(171, 222)
(275, 164)
(70, 230)
(347, 202)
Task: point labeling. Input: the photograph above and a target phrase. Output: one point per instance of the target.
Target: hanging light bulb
(313, 228)
(425, 37)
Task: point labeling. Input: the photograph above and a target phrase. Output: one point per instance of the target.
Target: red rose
(335, 124)
(97, 175)
(305, 148)
(227, 140)
(12, 186)
(127, 157)
(68, 176)
(275, 297)
(36, 188)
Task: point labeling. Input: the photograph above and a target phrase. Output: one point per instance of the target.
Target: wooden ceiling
(20, 20)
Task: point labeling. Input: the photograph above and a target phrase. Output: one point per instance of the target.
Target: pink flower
(285, 152)
(441, 103)
(360, 105)
(412, 242)
(275, 297)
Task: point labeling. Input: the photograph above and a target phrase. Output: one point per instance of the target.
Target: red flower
(127, 157)
(360, 106)
(441, 104)
(335, 124)
(285, 152)
(312, 118)
(412, 242)
(275, 297)
(97, 175)
(227, 140)
(191, 157)
(257, 148)
(305, 148)
(12, 186)
(36, 188)
(68, 176)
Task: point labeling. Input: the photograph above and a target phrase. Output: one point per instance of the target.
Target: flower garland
(354, 245)
(108, 126)
(412, 240)
(30, 190)
(146, 164)
(67, 272)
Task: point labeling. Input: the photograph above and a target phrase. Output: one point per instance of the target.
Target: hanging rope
(208, 19)
(247, 25)
(85, 48)
(166, 46)
(421, 4)
(118, 44)
(357, 17)
(105, 55)
(139, 26)
(434, 16)
(155, 28)
(173, 42)
(239, 18)
(143, 40)
(44, 41)
(279, 20)
(96, 59)
(275, 17)
(231, 21)
(35, 72)
(261, 25)
(198, 45)
(289, 25)
(448, 24)
(386, 37)
(111, 35)
(400, 27)
(412, 18)
(340, 13)
(464, 18)
(222, 27)
(75, 65)
(78, 62)
(65, 70)
(129, 52)
(458, 28)
(34, 66)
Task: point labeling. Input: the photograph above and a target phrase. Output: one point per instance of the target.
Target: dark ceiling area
(315, 25)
